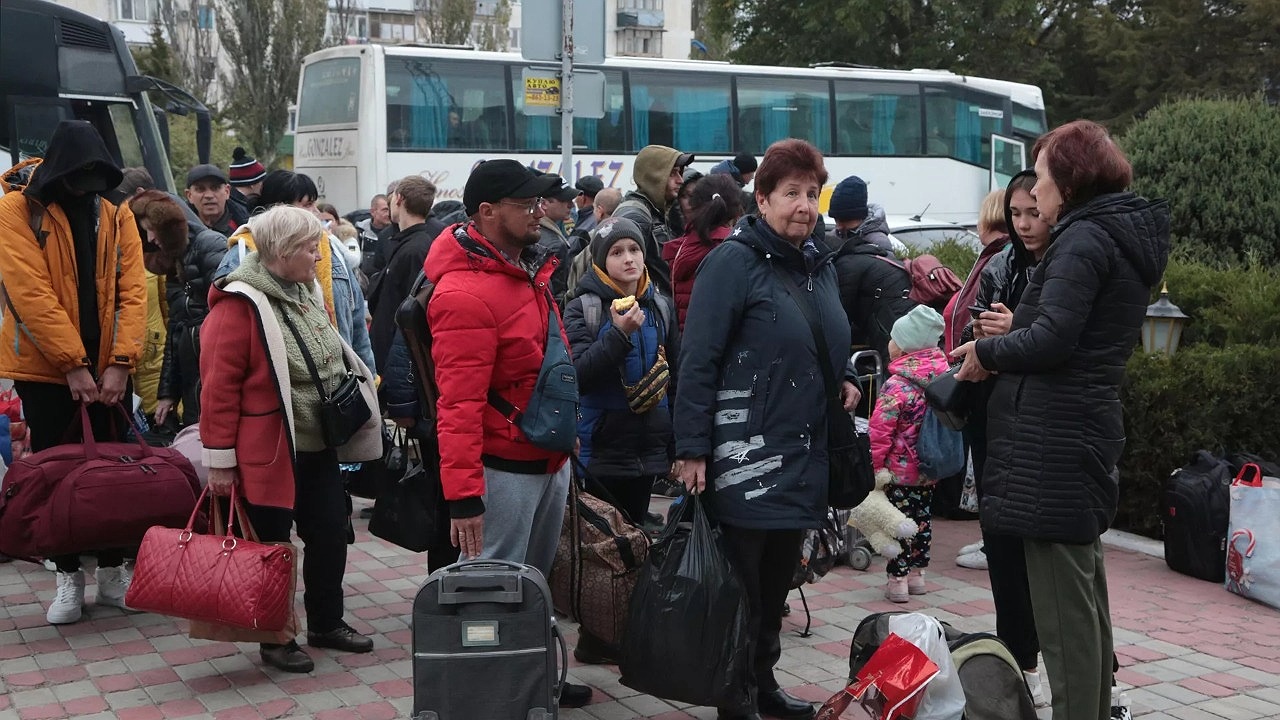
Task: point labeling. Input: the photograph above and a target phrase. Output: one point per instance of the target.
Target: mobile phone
(976, 310)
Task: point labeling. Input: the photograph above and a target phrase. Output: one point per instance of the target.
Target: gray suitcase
(486, 645)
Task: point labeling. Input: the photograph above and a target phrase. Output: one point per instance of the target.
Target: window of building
(445, 105)
(138, 10)
(392, 27)
(683, 110)
(772, 109)
(205, 17)
(877, 118)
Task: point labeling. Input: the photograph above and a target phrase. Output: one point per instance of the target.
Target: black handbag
(412, 512)
(368, 480)
(850, 477)
(953, 400)
(342, 412)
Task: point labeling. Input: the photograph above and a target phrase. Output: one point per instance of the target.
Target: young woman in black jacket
(1055, 421)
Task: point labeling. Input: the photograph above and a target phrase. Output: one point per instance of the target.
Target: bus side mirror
(162, 122)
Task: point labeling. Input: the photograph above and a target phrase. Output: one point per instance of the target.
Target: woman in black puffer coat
(1055, 422)
(187, 258)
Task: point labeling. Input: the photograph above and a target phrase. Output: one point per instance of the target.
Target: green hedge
(1227, 305)
(1215, 398)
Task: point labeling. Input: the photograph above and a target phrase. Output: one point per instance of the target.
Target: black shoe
(288, 657)
(786, 609)
(778, 704)
(574, 696)
(343, 638)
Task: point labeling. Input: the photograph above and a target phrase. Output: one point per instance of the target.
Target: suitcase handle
(495, 587)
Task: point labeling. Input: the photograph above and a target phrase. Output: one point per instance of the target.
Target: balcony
(640, 19)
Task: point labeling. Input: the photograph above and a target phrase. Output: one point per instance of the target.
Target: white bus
(368, 114)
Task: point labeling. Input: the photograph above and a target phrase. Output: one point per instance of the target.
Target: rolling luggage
(485, 644)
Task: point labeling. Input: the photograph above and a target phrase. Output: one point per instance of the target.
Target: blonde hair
(283, 230)
(991, 213)
(345, 231)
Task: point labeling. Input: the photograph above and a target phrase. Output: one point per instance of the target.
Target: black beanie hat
(745, 162)
(610, 231)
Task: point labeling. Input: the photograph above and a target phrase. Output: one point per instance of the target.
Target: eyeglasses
(529, 207)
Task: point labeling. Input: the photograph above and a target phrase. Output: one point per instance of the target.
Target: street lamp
(1162, 329)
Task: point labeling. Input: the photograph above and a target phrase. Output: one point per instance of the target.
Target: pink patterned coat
(900, 407)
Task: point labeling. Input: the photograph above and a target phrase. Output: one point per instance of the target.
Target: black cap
(563, 191)
(590, 185)
(494, 180)
(205, 172)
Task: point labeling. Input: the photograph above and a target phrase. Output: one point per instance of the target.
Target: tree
(713, 36)
(493, 28)
(157, 59)
(448, 22)
(266, 41)
(189, 29)
(1218, 164)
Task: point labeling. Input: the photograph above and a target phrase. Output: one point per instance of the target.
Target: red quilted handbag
(221, 579)
(92, 495)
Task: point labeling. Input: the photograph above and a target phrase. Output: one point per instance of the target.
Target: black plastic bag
(411, 512)
(687, 630)
(373, 476)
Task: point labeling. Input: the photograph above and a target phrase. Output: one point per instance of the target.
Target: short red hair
(786, 158)
(1084, 161)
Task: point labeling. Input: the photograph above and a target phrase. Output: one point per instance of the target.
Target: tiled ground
(1190, 650)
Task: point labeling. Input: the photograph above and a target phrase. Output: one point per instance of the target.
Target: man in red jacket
(489, 318)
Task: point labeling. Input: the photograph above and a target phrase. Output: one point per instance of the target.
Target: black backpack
(883, 281)
(1194, 510)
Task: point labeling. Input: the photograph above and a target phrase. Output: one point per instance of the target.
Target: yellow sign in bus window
(541, 92)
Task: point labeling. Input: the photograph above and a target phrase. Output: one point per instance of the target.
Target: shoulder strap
(592, 308)
(512, 413)
(664, 315)
(306, 354)
(819, 338)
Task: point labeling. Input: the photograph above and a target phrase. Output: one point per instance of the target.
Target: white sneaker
(1120, 705)
(68, 604)
(1036, 688)
(970, 548)
(113, 583)
(975, 560)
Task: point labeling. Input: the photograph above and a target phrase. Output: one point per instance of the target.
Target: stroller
(869, 367)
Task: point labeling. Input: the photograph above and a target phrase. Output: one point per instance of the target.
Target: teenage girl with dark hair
(715, 206)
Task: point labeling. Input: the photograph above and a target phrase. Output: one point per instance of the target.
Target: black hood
(1139, 226)
(75, 146)
(1022, 258)
(756, 234)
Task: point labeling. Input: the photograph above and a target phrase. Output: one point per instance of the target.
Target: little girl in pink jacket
(915, 359)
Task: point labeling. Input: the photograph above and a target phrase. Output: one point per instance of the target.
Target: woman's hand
(971, 370)
(164, 406)
(221, 480)
(993, 322)
(693, 473)
(82, 385)
(849, 396)
(629, 321)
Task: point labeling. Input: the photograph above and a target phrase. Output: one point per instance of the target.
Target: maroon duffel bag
(93, 495)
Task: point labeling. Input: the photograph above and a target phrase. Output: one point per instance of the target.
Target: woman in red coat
(715, 206)
(260, 415)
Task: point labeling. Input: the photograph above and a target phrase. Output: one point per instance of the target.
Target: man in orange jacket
(74, 324)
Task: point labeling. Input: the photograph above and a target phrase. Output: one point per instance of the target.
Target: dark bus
(58, 64)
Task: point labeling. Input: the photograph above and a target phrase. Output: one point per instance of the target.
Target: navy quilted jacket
(1055, 423)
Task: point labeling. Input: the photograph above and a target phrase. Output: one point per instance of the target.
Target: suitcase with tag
(486, 645)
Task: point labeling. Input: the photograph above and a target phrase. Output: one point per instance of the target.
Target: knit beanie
(244, 169)
(610, 231)
(849, 200)
(917, 330)
(745, 162)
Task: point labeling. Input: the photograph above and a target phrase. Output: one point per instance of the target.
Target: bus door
(1008, 158)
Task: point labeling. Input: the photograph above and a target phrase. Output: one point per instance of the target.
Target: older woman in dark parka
(1055, 421)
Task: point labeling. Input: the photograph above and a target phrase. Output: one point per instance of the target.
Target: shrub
(1204, 397)
(952, 253)
(1226, 304)
(1218, 164)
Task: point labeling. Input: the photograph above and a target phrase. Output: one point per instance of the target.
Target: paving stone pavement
(1189, 650)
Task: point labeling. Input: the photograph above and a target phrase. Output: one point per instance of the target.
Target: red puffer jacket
(684, 265)
(488, 322)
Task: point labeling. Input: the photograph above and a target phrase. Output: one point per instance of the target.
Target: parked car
(921, 234)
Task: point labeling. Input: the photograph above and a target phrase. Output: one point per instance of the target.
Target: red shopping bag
(890, 685)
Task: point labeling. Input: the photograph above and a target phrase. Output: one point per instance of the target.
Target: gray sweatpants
(523, 515)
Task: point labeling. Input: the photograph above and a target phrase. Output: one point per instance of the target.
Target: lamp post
(1162, 329)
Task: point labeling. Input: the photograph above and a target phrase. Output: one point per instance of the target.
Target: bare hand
(82, 385)
(164, 406)
(112, 385)
(693, 473)
(221, 480)
(467, 534)
(995, 321)
(849, 396)
(629, 321)
(971, 370)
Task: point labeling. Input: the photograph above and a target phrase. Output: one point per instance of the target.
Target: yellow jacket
(42, 343)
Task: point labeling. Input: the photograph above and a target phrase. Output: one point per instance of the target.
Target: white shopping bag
(1253, 540)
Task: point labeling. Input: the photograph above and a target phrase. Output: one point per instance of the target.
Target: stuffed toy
(882, 523)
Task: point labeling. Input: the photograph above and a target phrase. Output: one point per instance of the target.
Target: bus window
(771, 109)
(445, 105)
(1028, 120)
(685, 110)
(542, 132)
(125, 137)
(877, 118)
(330, 93)
(960, 124)
(33, 124)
